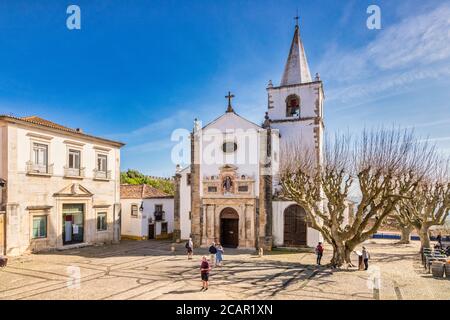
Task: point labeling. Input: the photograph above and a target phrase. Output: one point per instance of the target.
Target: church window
(293, 106)
(243, 188)
(212, 189)
(229, 147)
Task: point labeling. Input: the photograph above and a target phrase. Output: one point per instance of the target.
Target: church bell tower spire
(296, 70)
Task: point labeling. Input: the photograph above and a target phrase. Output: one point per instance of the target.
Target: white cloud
(415, 49)
(417, 40)
(376, 86)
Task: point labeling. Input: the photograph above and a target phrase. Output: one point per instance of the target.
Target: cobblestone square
(149, 270)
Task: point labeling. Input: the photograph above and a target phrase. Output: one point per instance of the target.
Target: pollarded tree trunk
(406, 234)
(341, 254)
(424, 237)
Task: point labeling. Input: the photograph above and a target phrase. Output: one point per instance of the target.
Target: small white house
(147, 213)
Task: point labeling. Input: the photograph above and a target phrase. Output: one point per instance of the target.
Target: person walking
(212, 251)
(366, 257)
(204, 271)
(439, 240)
(219, 255)
(190, 248)
(319, 252)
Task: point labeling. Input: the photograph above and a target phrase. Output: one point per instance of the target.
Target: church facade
(230, 191)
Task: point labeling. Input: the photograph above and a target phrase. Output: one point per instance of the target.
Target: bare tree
(404, 225)
(428, 204)
(383, 166)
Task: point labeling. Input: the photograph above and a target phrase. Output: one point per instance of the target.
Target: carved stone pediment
(74, 190)
(228, 183)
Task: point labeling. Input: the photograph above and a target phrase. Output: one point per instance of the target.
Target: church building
(230, 191)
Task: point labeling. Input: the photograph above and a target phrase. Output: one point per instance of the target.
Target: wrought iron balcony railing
(159, 215)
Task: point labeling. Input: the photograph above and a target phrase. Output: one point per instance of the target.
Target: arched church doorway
(295, 226)
(229, 228)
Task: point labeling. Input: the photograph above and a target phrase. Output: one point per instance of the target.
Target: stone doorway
(229, 228)
(295, 226)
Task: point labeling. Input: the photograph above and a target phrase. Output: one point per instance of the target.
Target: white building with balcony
(147, 213)
(62, 186)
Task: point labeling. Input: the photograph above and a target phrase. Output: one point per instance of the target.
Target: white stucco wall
(294, 130)
(138, 226)
(185, 205)
(230, 127)
(58, 150)
(308, 94)
(131, 226)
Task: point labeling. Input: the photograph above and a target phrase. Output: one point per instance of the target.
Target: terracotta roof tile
(35, 120)
(38, 120)
(141, 191)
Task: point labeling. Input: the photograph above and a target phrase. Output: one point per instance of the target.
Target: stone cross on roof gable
(229, 97)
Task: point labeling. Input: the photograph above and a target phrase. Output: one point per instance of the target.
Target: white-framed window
(40, 154)
(74, 159)
(102, 224)
(134, 210)
(39, 227)
(102, 162)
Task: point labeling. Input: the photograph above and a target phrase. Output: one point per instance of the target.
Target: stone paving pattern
(149, 270)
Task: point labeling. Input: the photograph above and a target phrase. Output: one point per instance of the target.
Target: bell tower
(295, 107)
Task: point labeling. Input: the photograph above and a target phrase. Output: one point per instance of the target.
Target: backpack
(212, 250)
(187, 245)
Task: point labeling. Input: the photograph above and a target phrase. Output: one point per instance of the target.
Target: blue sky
(137, 70)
